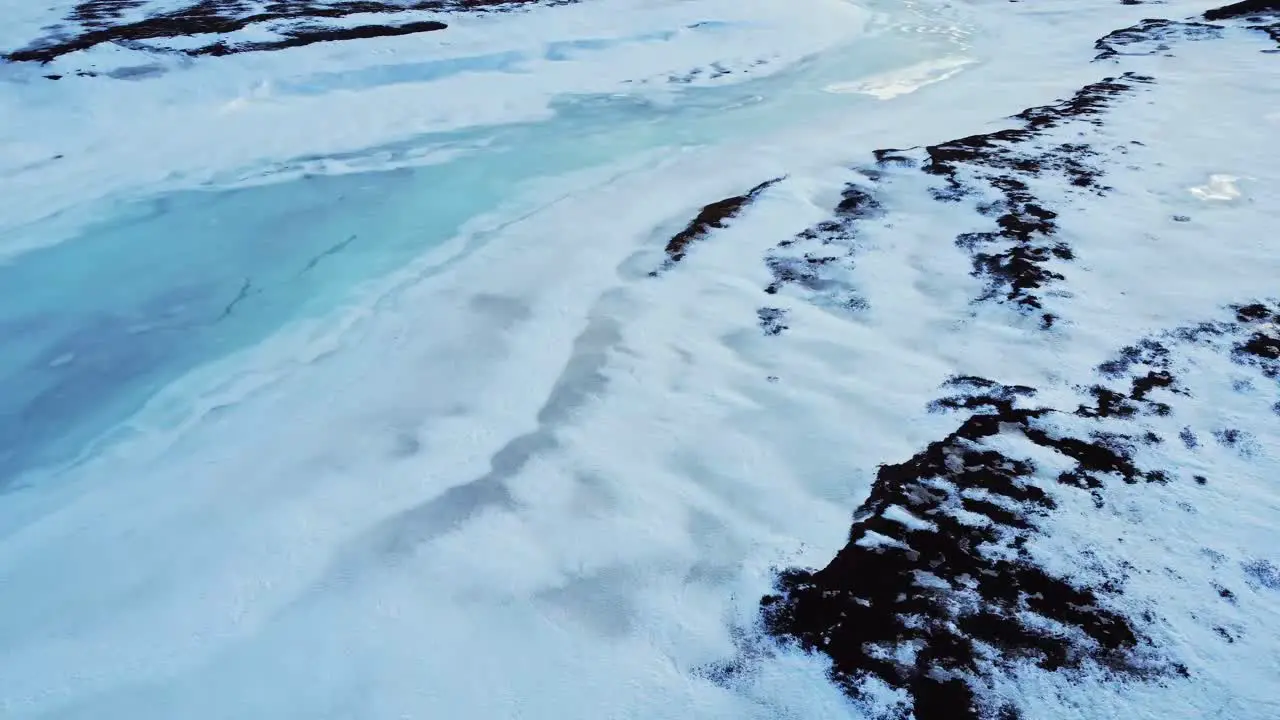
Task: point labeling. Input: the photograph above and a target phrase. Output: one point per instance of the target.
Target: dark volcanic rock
(1263, 15)
(1261, 349)
(937, 589)
(301, 37)
(1260, 9)
(712, 217)
(295, 23)
(1152, 36)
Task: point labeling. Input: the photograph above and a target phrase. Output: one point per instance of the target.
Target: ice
(340, 386)
(1219, 188)
(907, 80)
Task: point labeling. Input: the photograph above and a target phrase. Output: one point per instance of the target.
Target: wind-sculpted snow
(940, 590)
(940, 602)
(1017, 259)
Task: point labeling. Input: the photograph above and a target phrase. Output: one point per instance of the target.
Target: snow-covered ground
(463, 374)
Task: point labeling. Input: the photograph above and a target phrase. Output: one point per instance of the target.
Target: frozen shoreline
(245, 114)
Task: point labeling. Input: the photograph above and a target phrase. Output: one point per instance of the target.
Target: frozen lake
(160, 285)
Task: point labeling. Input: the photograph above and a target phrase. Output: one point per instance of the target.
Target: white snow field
(430, 377)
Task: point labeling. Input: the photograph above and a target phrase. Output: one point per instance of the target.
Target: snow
(902, 516)
(904, 81)
(1219, 187)
(478, 462)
